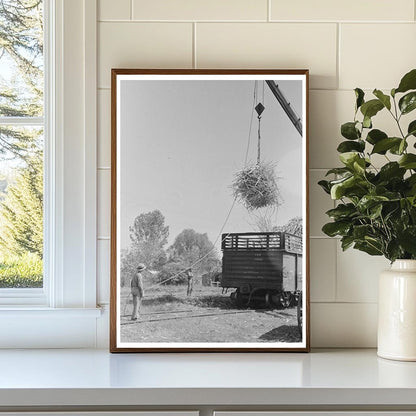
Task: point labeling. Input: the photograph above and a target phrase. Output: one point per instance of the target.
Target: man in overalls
(137, 290)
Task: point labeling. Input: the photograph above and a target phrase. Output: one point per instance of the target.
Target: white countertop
(96, 377)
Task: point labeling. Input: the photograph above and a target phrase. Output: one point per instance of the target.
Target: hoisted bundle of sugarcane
(256, 184)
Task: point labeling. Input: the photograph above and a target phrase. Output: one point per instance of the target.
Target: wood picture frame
(202, 260)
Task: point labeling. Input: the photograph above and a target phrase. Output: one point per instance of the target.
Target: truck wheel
(286, 299)
(267, 299)
(238, 299)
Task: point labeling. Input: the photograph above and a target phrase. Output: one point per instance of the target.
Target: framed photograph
(209, 211)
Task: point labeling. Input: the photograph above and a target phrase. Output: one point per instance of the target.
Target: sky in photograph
(182, 142)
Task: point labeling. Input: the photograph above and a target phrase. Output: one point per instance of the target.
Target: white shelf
(39, 378)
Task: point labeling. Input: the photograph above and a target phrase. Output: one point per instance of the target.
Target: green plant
(21, 271)
(376, 212)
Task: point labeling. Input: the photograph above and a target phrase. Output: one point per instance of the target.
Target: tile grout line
(131, 9)
(338, 63)
(336, 271)
(310, 89)
(345, 302)
(194, 62)
(269, 10)
(307, 22)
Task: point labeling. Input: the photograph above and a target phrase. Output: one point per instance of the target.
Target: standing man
(190, 277)
(137, 290)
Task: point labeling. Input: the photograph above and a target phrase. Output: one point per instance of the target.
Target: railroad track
(191, 314)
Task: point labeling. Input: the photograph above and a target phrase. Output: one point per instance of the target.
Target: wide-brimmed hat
(141, 267)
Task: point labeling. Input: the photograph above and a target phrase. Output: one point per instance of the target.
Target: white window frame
(35, 296)
(70, 188)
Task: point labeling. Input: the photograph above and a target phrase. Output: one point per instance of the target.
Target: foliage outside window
(21, 143)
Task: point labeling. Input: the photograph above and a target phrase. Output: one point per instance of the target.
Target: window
(63, 313)
(22, 139)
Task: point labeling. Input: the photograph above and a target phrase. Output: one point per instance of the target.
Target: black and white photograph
(209, 211)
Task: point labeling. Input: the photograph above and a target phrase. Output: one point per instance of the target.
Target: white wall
(344, 43)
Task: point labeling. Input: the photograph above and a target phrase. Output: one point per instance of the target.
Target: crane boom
(297, 122)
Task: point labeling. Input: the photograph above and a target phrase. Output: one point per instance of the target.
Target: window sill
(40, 327)
(37, 312)
(22, 298)
(322, 379)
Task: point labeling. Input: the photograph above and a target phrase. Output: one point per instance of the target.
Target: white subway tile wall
(345, 44)
(114, 10)
(144, 45)
(323, 268)
(352, 10)
(367, 50)
(270, 45)
(200, 10)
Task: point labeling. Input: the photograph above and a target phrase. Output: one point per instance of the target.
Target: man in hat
(190, 276)
(137, 290)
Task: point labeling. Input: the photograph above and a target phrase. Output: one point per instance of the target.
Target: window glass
(21, 143)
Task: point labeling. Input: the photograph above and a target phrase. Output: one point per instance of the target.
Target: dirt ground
(168, 315)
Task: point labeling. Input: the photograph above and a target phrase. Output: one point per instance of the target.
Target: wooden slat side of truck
(266, 266)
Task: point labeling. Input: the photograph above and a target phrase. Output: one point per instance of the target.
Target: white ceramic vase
(397, 312)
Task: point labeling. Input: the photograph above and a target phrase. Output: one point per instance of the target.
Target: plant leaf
(348, 158)
(393, 250)
(402, 147)
(346, 242)
(361, 231)
(371, 108)
(342, 211)
(408, 102)
(338, 171)
(367, 122)
(368, 248)
(349, 146)
(336, 228)
(369, 201)
(359, 94)
(383, 145)
(408, 82)
(325, 186)
(391, 170)
(338, 189)
(349, 131)
(407, 239)
(398, 149)
(375, 211)
(385, 99)
(408, 161)
(411, 130)
(375, 136)
(359, 165)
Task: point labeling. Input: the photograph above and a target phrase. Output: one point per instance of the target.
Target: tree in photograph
(21, 212)
(172, 273)
(191, 247)
(294, 226)
(149, 235)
